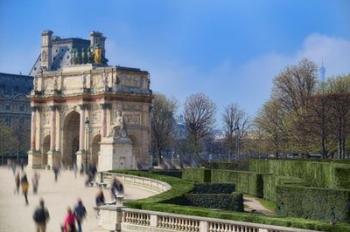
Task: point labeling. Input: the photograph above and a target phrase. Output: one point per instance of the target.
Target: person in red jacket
(69, 221)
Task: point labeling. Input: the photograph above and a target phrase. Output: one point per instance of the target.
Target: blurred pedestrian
(100, 198)
(56, 171)
(13, 167)
(69, 221)
(35, 182)
(116, 188)
(25, 187)
(41, 217)
(75, 170)
(18, 182)
(80, 214)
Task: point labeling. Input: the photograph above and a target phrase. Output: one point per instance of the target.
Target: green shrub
(341, 178)
(237, 165)
(313, 203)
(213, 188)
(245, 182)
(232, 201)
(270, 182)
(180, 187)
(320, 174)
(173, 173)
(201, 175)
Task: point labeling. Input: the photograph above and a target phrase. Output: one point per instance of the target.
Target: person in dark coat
(80, 214)
(41, 217)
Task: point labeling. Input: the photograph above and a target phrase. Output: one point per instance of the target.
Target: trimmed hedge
(180, 187)
(271, 182)
(322, 174)
(173, 173)
(237, 165)
(245, 182)
(213, 188)
(232, 201)
(341, 178)
(201, 175)
(313, 203)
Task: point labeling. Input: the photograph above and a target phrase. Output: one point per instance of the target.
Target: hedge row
(200, 175)
(313, 203)
(245, 182)
(237, 165)
(213, 188)
(179, 187)
(232, 201)
(320, 174)
(270, 183)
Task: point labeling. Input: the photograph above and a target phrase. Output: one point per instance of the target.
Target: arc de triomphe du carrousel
(85, 111)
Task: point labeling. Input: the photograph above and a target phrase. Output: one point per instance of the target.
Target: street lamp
(87, 124)
(237, 139)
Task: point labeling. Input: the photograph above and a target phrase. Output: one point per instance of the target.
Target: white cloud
(248, 84)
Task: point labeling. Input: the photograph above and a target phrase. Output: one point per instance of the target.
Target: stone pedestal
(115, 153)
(110, 217)
(53, 158)
(34, 159)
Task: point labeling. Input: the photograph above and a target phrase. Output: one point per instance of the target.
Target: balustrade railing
(150, 184)
(158, 221)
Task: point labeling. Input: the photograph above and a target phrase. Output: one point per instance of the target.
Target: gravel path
(253, 205)
(15, 216)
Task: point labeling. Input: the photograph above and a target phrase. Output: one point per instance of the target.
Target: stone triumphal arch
(81, 106)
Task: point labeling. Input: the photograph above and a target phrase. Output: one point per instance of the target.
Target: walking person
(25, 187)
(69, 222)
(18, 182)
(80, 214)
(55, 171)
(41, 217)
(35, 182)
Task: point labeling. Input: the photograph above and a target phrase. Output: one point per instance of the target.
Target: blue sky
(230, 50)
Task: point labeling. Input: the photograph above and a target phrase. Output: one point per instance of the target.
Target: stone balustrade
(133, 220)
(155, 186)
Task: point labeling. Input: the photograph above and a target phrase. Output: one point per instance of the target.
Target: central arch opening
(71, 128)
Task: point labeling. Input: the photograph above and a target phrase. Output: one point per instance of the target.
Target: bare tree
(295, 85)
(199, 115)
(271, 121)
(235, 127)
(339, 95)
(162, 124)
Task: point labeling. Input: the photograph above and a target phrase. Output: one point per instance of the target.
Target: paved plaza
(15, 216)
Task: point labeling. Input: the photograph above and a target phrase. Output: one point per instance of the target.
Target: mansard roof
(13, 85)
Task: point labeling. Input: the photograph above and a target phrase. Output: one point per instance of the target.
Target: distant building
(80, 104)
(180, 128)
(15, 107)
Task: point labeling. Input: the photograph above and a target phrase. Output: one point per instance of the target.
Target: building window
(21, 108)
(8, 107)
(7, 121)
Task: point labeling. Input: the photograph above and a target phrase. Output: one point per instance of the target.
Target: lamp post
(237, 139)
(87, 124)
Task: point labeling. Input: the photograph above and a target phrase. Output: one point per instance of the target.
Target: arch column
(53, 155)
(82, 153)
(34, 155)
(105, 124)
